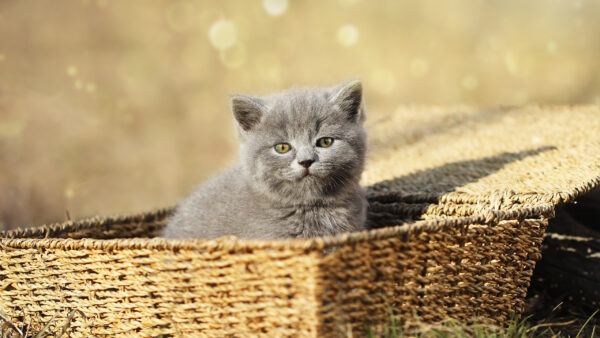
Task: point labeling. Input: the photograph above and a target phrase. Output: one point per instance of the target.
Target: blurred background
(121, 106)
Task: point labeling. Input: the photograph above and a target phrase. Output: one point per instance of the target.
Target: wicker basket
(475, 266)
(460, 228)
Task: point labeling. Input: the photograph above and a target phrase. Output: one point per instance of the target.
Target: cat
(302, 153)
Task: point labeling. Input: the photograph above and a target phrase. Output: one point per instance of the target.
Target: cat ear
(348, 96)
(246, 110)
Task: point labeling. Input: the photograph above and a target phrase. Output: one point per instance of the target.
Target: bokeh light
(347, 35)
(11, 128)
(470, 82)
(275, 7)
(223, 34)
(71, 70)
(233, 57)
(69, 193)
(78, 84)
(90, 87)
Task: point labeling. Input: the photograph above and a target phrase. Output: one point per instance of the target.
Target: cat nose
(306, 163)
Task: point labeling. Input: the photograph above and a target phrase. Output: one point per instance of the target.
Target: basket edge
(489, 216)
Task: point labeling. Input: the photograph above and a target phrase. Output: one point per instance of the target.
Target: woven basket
(476, 266)
(459, 231)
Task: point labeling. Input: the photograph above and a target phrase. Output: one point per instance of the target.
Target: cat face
(303, 145)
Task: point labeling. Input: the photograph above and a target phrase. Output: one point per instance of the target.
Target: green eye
(324, 142)
(282, 148)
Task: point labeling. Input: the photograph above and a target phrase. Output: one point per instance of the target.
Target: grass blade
(68, 323)
(586, 322)
(10, 324)
(41, 332)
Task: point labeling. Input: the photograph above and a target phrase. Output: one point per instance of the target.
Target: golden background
(121, 106)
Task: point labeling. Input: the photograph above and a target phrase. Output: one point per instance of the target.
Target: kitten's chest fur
(323, 219)
(227, 205)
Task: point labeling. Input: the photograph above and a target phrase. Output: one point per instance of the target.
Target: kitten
(302, 153)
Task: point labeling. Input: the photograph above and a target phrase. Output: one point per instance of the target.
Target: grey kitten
(302, 153)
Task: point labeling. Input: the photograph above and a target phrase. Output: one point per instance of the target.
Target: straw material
(541, 153)
(447, 245)
(459, 267)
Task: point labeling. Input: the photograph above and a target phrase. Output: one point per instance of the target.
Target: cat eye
(324, 142)
(282, 148)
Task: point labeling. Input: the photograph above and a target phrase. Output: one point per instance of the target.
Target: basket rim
(486, 216)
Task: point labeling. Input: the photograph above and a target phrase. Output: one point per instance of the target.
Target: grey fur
(268, 195)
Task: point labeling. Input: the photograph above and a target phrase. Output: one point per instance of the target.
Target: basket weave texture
(459, 229)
